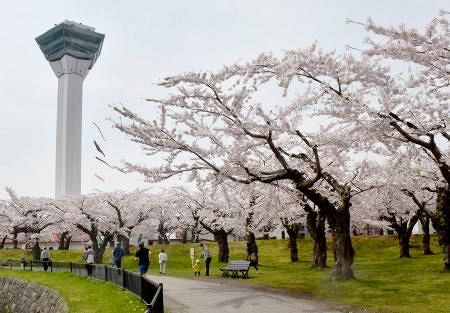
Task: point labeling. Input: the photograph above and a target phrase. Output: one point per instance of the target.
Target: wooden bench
(236, 267)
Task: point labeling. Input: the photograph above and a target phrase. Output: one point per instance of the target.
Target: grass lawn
(385, 283)
(81, 294)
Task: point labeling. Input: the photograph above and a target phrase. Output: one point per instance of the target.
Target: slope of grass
(385, 283)
(81, 294)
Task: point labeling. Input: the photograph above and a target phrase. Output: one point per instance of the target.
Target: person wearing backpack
(89, 259)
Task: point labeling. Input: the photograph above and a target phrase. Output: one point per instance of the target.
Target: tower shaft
(72, 50)
(71, 73)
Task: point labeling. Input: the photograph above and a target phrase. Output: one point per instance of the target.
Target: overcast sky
(146, 41)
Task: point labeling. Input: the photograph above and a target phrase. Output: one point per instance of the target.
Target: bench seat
(236, 267)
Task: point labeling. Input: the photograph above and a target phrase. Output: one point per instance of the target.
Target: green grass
(81, 294)
(385, 283)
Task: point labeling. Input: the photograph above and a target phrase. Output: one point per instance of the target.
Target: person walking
(45, 258)
(252, 258)
(196, 268)
(162, 262)
(89, 259)
(117, 255)
(143, 257)
(139, 240)
(207, 256)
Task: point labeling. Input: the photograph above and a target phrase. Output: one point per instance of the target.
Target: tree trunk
(95, 247)
(425, 221)
(195, 231)
(441, 222)
(2, 244)
(293, 233)
(221, 237)
(343, 248)
(316, 227)
(36, 252)
(184, 236)
(62, 240)
(15, 241)
(100, 247)
(68, 241)
(403, 241)
(252, 247)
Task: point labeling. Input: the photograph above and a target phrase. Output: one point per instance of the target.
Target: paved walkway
(206, 296)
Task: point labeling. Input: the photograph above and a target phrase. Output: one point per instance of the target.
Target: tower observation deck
(72, 50)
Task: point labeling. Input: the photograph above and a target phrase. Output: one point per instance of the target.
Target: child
(196, 268)
(24, 262)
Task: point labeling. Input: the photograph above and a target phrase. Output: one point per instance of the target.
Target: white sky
(145, 41)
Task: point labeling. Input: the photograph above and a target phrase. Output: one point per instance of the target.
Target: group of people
(143, 257)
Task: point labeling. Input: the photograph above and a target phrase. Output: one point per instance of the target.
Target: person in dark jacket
(143, 256)
(117, 255)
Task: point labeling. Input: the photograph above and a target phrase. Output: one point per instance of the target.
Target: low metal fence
(151, 293)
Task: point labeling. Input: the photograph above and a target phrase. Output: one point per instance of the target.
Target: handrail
(152, 307)
(158, 291)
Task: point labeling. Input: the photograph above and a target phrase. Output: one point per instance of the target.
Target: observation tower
(71, 49)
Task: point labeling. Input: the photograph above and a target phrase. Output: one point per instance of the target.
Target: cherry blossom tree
(214, 127)
(216, 211)
(5, 223)
(412, 109)
(26, 215)
(92, 215)
(130, 210)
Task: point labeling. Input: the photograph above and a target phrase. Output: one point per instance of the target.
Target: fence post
(71, 267)
(31, 265)
(124, 279)
(106, 272)
(160, 304)
(142, 287)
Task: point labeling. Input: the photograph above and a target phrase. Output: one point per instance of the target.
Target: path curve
(205, 296)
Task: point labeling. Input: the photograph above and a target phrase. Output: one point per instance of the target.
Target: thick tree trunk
(100, 247)
(343, 248)
(425, 221)
(62, 238)
(195, 231)
(316, 227)
(221, 237)
(2, 244)
(320, 249)
(339, 221)
(95, 246)
(252, 247)
(68, 241)
(441, 222)
(15, 241)
(293, 244)
(184, 236)
(403, 241)
(36, 251)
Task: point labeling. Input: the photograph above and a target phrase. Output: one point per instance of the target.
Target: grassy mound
(81, 294)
